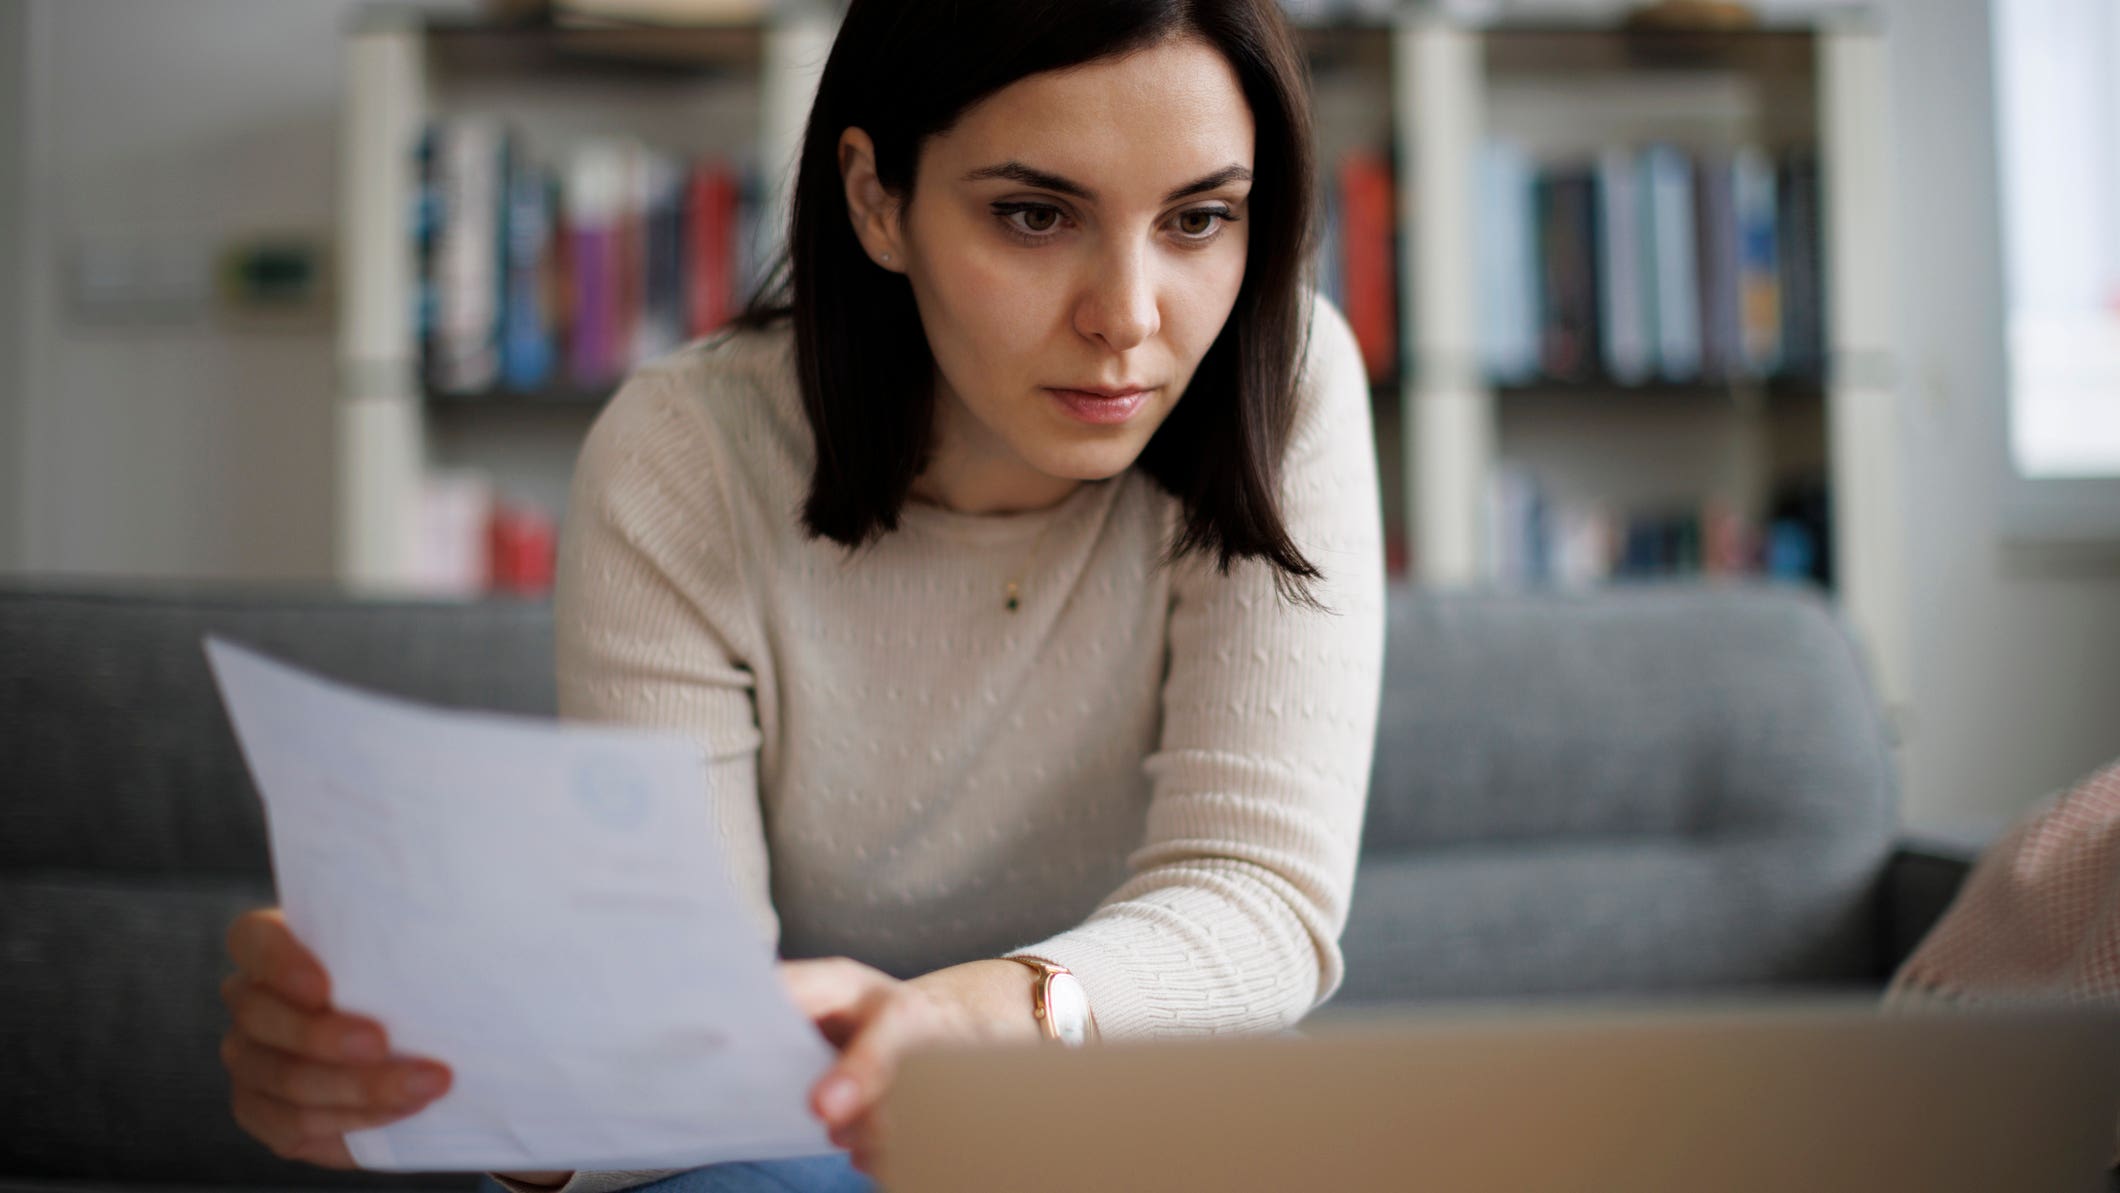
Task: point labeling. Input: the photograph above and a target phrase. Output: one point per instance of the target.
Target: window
(2057, 77)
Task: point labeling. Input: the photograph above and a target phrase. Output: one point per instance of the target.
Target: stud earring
(886, 256)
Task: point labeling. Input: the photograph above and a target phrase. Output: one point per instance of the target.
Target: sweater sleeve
(649, 607)
(1231, 915)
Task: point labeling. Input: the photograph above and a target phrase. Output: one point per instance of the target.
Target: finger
(264, 948)
(868, 1061)
(312, 1134)
(308, 1083)
(265, 1017)
(831, 985)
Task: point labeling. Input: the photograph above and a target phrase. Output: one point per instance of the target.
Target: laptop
(1820, 1095)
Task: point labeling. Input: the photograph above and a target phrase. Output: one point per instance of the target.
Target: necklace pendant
(1013, 602)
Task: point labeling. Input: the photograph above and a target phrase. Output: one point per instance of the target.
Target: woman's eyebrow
(1018, 172)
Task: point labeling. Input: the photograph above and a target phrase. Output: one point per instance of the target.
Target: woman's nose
(1118, 306)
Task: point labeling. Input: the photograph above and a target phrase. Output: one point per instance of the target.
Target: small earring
(886, 256)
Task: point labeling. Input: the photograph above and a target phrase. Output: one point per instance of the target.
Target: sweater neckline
(993, 529)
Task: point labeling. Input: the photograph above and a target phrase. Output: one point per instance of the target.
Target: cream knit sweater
(1154, 775)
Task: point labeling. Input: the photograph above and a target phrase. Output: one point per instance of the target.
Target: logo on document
(613, 793)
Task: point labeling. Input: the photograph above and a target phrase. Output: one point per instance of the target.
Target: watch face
(1069, 1006)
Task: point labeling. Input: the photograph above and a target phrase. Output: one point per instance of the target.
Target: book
(1715, 217)
(1509, 265)
(527, 324)
(1569, 327)
(467, 257)
(1674, 274)
(1368, 264)
(1622, 233)
(710, 248)
(595, 191)
(1752, 182)
(1802, 286)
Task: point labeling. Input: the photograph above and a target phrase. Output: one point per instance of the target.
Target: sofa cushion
(119, 755)
(112, 1033)
(1609, 917)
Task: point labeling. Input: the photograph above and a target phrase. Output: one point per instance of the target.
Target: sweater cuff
(590, 1182)
(1117, 977)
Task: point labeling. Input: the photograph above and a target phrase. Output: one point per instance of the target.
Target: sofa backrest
(132, 836)
(1630, 712)
(1650, 790)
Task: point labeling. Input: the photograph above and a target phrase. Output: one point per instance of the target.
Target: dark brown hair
(906, 70)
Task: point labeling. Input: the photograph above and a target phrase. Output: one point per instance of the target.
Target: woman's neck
(972, 471)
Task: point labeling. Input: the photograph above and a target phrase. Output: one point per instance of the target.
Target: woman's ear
(873, 210)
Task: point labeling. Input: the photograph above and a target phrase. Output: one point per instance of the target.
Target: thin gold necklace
(1012, 588)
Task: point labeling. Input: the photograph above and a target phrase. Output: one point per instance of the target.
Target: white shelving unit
(1563, 91)
(725, 91)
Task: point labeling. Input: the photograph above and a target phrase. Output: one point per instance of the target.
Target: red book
(710, 248)
(1368, 267)
(522, 542)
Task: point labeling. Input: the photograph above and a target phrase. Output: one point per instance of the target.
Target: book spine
(710, 246)
(468, 282)
(1717, 228)
(1372, 307)
(1624, 325)
(526, 315)
(1509, 274)
(1675, 246)
(1758, 261)
(595, 184)
(1803, 305)
(430, 206)
(1568, 230)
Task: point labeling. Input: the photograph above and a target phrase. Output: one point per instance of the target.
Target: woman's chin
(1089, 462)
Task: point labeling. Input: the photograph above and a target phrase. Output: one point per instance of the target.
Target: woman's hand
(303, 1074)
(874, 1019)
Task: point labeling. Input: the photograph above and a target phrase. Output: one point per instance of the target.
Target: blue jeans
(810, 1174)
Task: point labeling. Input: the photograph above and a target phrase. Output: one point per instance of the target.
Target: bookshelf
(1423, 91)
(1821, 436)
(737, 92)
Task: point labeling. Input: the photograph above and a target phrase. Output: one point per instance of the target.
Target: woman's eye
(1203, 223)
(1031, 218)
(1196, 223)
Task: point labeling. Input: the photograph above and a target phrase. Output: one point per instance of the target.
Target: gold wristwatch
(1059, 1002)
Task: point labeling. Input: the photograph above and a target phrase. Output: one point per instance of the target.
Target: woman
(1021, 573)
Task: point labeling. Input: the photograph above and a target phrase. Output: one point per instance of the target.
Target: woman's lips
(1099, 408)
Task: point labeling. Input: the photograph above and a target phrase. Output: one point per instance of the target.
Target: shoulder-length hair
(906, 70)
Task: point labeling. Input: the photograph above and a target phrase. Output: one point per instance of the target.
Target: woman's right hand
(302, 1074)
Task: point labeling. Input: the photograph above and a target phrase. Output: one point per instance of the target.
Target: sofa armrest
(1921, 879)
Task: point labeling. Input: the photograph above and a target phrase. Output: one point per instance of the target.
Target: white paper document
(542, 908)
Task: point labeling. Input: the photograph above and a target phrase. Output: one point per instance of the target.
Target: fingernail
(836, 1099)
(363, 1045)
(425, 1083)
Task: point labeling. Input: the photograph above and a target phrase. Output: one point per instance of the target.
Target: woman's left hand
(874, 1019)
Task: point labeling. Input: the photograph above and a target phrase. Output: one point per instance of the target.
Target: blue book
(1624, 329)
(1674, 275)
(526, 318)
(1758, 261)
(1508, 264)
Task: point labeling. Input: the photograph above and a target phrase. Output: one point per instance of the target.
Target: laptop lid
(1822, 1096)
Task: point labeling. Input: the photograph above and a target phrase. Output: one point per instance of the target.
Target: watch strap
(1041, 994)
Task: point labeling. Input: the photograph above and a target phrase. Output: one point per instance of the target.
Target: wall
(14, 31)
(2017, 648)
(188, 446)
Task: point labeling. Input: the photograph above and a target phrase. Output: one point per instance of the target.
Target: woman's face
(1078, 233)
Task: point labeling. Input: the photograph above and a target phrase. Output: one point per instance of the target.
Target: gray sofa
(1653, 790)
